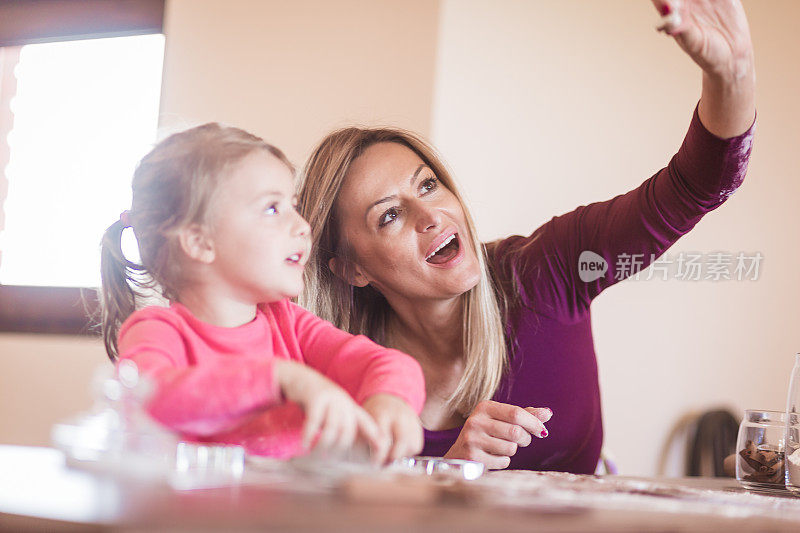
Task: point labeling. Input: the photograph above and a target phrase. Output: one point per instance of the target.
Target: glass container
(760, 450)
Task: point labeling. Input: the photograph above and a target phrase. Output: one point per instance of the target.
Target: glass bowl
(760, 450)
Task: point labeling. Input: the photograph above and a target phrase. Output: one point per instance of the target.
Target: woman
(502, 327)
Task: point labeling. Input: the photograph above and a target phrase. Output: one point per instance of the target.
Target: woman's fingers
(494, 430)
(544, 414)
(499, 447)
(509, 432)
(516, 415)
(671, 20)
(495, 462)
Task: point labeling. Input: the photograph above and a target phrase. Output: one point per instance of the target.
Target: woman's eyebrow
(392, 197)
(382, 200)
(416, 173)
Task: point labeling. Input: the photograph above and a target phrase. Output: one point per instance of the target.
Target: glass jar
(792, 430)
(760, 450)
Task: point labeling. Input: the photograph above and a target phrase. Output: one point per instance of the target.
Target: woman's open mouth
(447, 251)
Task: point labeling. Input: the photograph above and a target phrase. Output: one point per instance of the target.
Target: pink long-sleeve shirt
(215, 384)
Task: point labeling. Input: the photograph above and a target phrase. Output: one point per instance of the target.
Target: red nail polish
(665, 10)
(544, 433)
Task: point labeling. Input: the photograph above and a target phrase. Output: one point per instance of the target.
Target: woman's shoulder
(516, 255)
(528, 270)
(514, 244)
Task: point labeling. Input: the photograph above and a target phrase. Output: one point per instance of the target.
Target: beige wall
(542, 106)
(292, 71)
(43, 379)
(539, 106)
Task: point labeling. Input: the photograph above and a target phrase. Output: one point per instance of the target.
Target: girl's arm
(357, 364)
(389, 384)
(199, 400)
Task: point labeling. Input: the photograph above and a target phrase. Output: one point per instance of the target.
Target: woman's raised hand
(330, 411)
(398, 421)
(494, 430)
(714, 33)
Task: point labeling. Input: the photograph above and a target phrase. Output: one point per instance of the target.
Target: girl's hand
(329, 409)
(399, 423)
(494, 430)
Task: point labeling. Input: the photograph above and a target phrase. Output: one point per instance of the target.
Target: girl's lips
(296, 259)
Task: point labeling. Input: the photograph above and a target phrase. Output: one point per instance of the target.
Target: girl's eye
(388, 217)
(430, 184)
(271, 210)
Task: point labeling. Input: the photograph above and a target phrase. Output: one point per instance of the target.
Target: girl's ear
(348, 271)
(196, 243)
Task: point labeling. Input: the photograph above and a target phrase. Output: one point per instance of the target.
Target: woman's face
(407, 232)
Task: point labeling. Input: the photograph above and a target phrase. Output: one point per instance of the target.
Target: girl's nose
(300, 226)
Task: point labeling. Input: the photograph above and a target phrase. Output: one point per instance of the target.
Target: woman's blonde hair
(172, 188)
(363, 310)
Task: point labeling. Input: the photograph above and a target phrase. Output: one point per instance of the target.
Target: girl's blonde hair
(363, 310)
(172, 188)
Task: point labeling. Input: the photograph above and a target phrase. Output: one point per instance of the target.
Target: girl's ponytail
(117, 293)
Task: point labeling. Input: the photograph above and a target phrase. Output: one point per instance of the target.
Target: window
(84, 113)
(78, 109)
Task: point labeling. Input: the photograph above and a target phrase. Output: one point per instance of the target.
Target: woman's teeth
(445, 243)
(294, 258)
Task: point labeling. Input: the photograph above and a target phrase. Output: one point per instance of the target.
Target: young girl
(234, 361)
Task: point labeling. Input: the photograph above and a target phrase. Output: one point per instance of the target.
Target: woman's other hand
(494, 430)
(399, 424)
(715, 34)
(332, 416)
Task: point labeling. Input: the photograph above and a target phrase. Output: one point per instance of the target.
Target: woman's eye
(430, 184)
(388, 216)
(271, 210)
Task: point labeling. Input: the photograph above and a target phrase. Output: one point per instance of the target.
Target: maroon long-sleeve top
(549, 329)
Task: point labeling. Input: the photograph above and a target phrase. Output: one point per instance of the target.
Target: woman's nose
(428, 218)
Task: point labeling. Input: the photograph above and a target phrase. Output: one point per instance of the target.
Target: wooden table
(39, 493)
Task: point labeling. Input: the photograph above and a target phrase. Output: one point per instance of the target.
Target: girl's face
(407, 232)
(260, 243)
